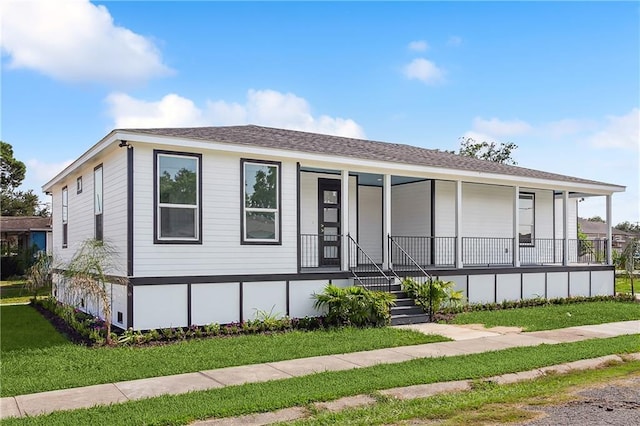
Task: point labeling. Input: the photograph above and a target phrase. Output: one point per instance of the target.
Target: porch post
(565, 227)
(344, 219)
(386, 222)
(516, 226)
(459, 264)
(609, 236)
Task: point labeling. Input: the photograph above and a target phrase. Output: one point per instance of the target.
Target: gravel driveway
(616, 403)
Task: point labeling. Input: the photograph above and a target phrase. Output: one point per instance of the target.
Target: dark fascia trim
(156, 240)
(215, 279)
(298, 233)
(243, 241)
(129, 305)
(409, 183)
(130, 206)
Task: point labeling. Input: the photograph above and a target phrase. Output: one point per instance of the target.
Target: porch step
(404, 301)
(406, 310)
(409, 319)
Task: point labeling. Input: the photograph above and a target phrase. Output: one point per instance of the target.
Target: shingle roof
(294, 140)
(23, 223)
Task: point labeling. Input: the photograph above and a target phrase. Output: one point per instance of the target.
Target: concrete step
(409, 319)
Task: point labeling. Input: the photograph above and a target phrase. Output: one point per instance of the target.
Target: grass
(623, 285)
(23, 329)
(14, 292)
(554, 316)
(487, 403)
(299, 391)
(31, 363)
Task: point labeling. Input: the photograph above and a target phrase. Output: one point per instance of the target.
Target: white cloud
(619, 132)
(171, 111)
(497, 128)
(418, 46)
(75, 40)
(424, 70)
(262, 107)
(39, 172)
(454, 41)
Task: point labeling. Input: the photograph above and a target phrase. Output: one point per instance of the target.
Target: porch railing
(483, 251)
(309, 251)
(425, 251)
(588, 251)
(365, 271)
(542, 251)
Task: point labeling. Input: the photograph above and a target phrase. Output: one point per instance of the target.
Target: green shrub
(355, 306)
(434, 293)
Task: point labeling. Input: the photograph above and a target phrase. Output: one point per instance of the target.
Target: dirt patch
(615, 403)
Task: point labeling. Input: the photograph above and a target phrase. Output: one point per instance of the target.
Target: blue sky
(561, 80)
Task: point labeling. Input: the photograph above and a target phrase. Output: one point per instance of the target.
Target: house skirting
(180, 301)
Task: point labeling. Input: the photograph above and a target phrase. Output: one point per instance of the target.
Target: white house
(215, 223)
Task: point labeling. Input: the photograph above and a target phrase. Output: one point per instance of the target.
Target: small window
(177, 195)
(526, 210)
(98, 204)
(79, 185)
(260, 202)
(65, 216)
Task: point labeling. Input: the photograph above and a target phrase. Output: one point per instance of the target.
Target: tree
(596, 219)
(88, 277)
(14, 202)
(487, 150)
(628, 227)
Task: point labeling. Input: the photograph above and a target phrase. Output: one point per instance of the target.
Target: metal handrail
(425, 273)
(360, 250)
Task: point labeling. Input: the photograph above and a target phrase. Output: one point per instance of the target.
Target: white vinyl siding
(81, 211)
(221, 251)
(411, 209)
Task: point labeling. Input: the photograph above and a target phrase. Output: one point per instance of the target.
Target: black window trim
(65, 222)
(243, 240)
(156, 238)
(79, 185)
(531, 243)
(98, 218)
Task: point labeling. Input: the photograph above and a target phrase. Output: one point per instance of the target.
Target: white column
(516, 226)
(344, 219)
(459, 224)
(609, 236)
(565, 228)
(386, 222)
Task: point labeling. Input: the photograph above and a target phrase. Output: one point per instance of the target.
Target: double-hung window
(260, 202)
(98, 204)
(177, 197)
(65, 217)
(526, 211)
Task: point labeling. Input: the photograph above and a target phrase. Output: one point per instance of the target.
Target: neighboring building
(215, 223)
(597, 232)
(22, 233)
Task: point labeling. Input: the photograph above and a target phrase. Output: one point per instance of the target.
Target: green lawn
(554, 316)
(36, 359)
(623, 285)
(486, 403)
(14, 292)
(300, 391)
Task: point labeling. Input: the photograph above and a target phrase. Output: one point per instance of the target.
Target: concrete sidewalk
(467, 341)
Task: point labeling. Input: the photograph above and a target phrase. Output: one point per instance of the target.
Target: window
(98, 201)
(65, 216)
(177, 197)
(260, 202)
(79, 185)
(526, 210)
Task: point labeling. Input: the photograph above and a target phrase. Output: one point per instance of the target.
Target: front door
(329, 222)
